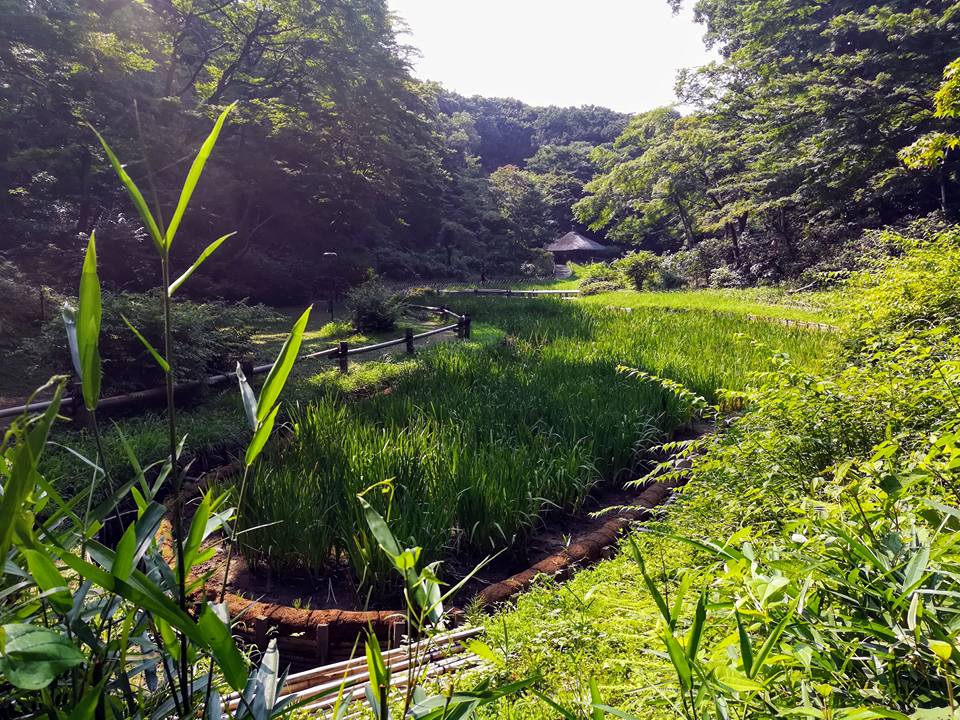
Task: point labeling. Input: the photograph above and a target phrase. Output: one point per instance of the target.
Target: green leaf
(89, 313)
(768, 645)
(273, 385)
(651, 585)
(195, 536)
(696, 629)
(69, 315)
(46, 575)
(34, 656)
(161, 361)
(746, 650)
(135, 195)
(914, 571)
(595, 700)
(376, 665)
(22, 473)
(123, 558)
(216, 635)
(565, 713)
(381, 532)
(260, 437)
(208, 251)
(249, 399)
(193, 176)
(679, 660)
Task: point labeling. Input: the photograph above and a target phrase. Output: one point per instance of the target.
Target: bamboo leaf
(89, 315)
(135, 195)
(596, 700)
(123, 558)
(273, 385)
(208, 251)
(651, 585)
(378, 526)
(696, 629)
(260, 437)
(69, 315)
(746, 650)
(249, 399)
(679, 660)
(46, 575)
(193, 176)
(768, 645)
(217, 637)
(161, 361)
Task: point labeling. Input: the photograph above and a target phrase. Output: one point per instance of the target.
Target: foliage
(639, 268)
(725, 276)
(756, 165)
(932, 151)
(208, 337)
(810, 565)
(599, 287)
(96, 624)
(374, 307)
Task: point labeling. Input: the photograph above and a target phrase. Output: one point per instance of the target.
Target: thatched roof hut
(575, 247)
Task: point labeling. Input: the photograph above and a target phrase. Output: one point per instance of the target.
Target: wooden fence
(509, 292)
(342, 353)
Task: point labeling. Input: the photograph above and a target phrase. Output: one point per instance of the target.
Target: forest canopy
(333, 148)
(816, 122)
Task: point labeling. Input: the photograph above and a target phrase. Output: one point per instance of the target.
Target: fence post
(246, 367)
(408, 336)
(344, 358)
(466, 326)
(462, 327)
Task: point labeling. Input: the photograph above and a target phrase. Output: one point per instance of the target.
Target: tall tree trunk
(687, 225)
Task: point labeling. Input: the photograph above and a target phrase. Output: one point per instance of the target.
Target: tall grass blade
(207, 252)
(135, 195)
(193, 176)
(89, 315)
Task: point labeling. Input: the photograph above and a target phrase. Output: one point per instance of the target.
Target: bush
(596, 287)
(208, 337)
(726, 277)
(373, 307)
(639, 268)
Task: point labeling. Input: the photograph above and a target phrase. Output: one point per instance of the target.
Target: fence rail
(342, 352)
(508, 291)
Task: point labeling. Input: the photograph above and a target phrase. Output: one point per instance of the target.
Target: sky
(622, 54)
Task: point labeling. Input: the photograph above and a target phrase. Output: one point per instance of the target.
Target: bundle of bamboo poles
(317, 689)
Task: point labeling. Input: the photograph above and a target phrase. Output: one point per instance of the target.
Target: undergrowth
(810, 567)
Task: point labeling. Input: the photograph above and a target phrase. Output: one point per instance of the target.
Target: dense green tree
(792, 146)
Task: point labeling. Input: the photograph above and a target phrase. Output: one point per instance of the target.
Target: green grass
(760, 302)
(482, 437)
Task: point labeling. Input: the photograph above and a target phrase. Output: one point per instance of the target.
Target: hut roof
(575, 241)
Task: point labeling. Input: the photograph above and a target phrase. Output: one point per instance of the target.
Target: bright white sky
(622, 54)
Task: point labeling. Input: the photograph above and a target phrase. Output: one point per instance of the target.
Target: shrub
(596, 287)
(373, 307)
(208, 337)
(639, 268)
(726, 277)
(599, 271)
